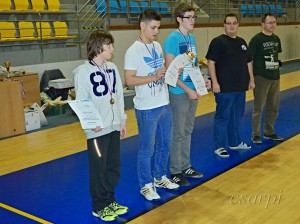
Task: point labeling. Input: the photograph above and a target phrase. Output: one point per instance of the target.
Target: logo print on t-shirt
(156, 61)
(244, 47)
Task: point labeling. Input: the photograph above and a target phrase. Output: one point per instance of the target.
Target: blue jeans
(155, 138)
(230, 109)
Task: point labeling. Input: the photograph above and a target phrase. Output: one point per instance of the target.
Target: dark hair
(181, 9)
(263, 19)
(231, 15)
(149, 15)
(97, 39)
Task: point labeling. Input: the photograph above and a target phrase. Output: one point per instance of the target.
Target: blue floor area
(58, 192)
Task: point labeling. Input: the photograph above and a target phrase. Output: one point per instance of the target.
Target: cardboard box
(32, 120)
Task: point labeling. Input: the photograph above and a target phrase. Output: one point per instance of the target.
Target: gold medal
(190, 55)
(112, 101)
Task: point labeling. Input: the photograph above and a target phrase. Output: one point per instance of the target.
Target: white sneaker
(243, 145)
(149, 192)
(165, 183)
(222, 152)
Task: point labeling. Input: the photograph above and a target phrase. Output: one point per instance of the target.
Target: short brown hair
(149, 15)
(97, 39)
(181, 9)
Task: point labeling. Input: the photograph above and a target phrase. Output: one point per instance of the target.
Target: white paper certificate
(88, 116)
(171, 75)
(198, 81)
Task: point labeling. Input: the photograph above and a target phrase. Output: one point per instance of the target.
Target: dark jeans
(230, 109)
(104, 171)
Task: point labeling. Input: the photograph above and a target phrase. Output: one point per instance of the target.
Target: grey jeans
(266, 95)
(184, 111)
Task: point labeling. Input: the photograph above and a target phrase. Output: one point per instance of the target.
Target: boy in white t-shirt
(144, 69)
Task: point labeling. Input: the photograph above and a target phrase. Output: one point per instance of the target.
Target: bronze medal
(112, 101)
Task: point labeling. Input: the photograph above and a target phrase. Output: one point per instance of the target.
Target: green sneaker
(118, 209)
(105, 214)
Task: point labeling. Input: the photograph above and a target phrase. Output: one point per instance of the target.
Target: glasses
(231, 23)
(271, 23)
(190, 18)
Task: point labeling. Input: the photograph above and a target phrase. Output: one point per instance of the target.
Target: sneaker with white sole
(243, 145)
(165, 183)
(105, 214)
(192, 173)
(273, 137)
(179, 179)
(222, 152)
(256, 139)
(149, 192)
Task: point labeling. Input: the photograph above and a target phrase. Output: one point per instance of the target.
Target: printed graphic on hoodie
(103, 83)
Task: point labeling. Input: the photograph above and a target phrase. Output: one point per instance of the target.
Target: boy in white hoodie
(99, 81)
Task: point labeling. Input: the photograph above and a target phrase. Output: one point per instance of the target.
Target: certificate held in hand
(88, 115)
(171, 75)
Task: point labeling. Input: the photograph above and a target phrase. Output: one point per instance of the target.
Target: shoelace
(145, 191)
(106, 212)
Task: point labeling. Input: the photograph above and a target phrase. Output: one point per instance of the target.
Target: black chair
(52, 92)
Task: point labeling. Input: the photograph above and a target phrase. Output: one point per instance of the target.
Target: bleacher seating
(250, 9)
(38, 5)
(101, 6)
(144, 6)
(61, 30)
(26, 30)
(279, 10)
(21, 5)
(155, 6)
(114, 6)
(134, 7)
(273, 9)
(258, 9)
(123, 6)
(5, 5)
(53, 5)
(244, 10)
(8, 31)
(163, 7)
(262, 8)
(46, 30)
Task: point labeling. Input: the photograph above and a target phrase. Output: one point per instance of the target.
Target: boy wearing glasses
(183, 97)
(230, 69)
(264, 48)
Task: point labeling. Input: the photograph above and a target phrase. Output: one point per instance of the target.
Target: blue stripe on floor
(58, 192)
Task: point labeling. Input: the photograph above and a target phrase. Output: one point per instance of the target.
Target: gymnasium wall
(289, 34)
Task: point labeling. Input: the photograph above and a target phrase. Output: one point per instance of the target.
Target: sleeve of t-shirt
(249, 55)
(169, 45)
(214, 50)
(131, 59)
(252, 47)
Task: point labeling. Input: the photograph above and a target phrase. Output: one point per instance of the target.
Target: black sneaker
(273, 137)
(179, 179)
(256, 139)
(191, 172)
